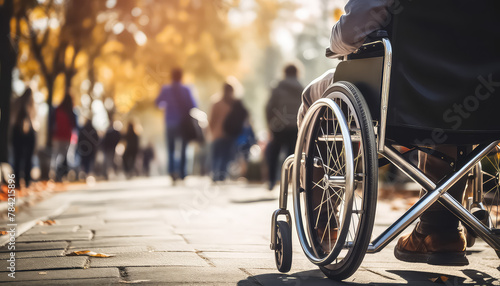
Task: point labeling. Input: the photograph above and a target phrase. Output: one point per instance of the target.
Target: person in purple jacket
(177, 100)
(438, 237)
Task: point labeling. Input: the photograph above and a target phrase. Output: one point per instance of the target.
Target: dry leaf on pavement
(46, 222)
(440, 279)
(89, 253)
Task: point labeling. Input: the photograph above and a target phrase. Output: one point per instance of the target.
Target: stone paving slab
(299, 264)
(47, 263)
(131, 216)
(128, 241)
(151, 259)
(62, 274)
(136, 231)
(33, 254)
(224, 238)
(82, 221)
(185, 274)
(68, 236)
(77, 282)
(125, 225)
(113, 250)
(171, 246)
(361, 277)
(51, 229)
(213, 247)
(239, 255)
(32, 246)
(303, 277)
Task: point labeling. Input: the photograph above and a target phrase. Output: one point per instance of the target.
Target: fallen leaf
(89, 253)
(46, 222)
(440, 279)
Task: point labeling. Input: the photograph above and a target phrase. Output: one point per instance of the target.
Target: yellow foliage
(182, 16)
(38, 13)
(113, 47)
(165, 34)
(337, 13)
(70, 51)
(177, 39)
(59, 89)
(81, 60)
(184, 3)
(190, 49)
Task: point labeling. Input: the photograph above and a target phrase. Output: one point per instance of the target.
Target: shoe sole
(436, 258)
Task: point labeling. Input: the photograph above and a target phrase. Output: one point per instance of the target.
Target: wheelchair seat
(445, 78)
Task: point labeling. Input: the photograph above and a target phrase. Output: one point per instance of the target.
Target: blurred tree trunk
(7, 63)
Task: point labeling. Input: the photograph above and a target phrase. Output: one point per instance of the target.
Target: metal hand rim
(306, 122)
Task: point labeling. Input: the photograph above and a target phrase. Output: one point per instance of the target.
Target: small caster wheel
(283, 251)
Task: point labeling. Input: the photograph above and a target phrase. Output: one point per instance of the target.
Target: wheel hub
(497, 178)
(326, 181)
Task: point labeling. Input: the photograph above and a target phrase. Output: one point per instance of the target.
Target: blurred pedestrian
(88, 140)
(177, 100)
(131, 150)
(226, 121)
(23, 138)
(148, 155)
(63, 124)
(281, 114)
(109, 142)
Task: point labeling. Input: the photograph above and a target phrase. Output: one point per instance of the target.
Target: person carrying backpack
(226, 121)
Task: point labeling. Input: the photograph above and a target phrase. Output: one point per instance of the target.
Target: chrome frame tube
(285, 180)
(433, 194)
(478, 183)
(384, 101)
(470, 220)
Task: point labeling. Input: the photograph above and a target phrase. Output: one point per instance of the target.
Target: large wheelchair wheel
(335, 185)
(485, 197)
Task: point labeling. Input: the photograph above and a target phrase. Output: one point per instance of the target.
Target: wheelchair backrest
(445, 80)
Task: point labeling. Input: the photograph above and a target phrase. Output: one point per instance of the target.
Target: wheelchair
(394, 92)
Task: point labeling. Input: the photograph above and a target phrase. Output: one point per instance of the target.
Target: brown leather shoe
(447, 248)
(327, 240)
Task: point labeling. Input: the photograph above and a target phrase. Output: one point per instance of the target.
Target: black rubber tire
(283, 251)
(350, 263)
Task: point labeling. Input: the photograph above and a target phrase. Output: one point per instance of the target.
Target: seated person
(438, 237)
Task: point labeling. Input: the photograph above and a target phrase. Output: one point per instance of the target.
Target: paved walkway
(191, 234)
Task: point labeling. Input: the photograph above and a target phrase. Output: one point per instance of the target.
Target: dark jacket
(282, 108)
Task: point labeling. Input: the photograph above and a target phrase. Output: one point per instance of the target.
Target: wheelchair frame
(435, 192)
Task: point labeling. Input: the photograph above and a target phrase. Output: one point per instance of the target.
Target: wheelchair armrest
(331, 55)
(376, 36)
(370, 39)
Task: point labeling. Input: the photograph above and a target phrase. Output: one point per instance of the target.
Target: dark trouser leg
(437, 218)
(290, 141)
(171, 150)
(182, 171)
(215, 160)
(272, 154)
(28, 162)
(18, 160)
